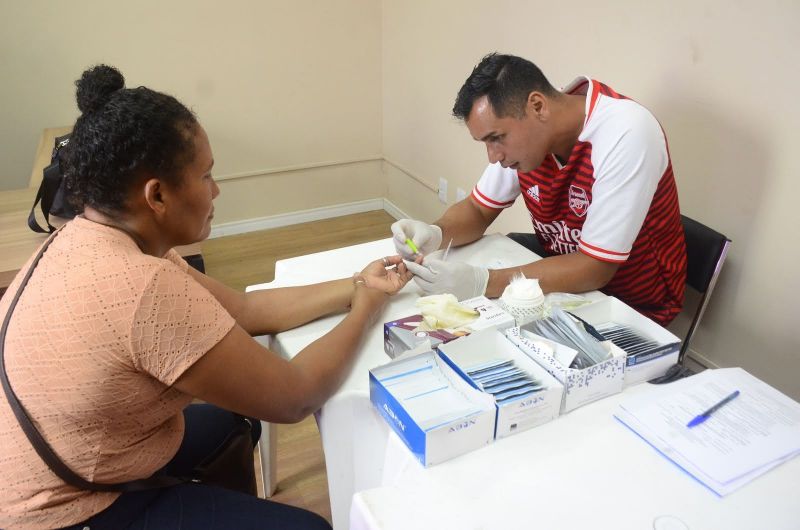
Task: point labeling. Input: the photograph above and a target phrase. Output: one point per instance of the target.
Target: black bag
(230, 466)
(52, 191)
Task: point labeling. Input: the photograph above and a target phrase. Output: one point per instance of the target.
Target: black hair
(507, 81)
(122, 135)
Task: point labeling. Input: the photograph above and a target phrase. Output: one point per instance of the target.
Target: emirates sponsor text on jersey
(559, 238)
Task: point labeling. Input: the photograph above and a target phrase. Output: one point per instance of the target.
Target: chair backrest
(706, 250)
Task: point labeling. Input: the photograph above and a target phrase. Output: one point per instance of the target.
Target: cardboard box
(515, 415)
(648, 364)
(399, 335)
(580, 386)
(436, 413)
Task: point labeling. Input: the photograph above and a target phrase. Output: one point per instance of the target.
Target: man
(594, 170)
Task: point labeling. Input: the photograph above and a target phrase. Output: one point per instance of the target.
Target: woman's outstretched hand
(389, 274)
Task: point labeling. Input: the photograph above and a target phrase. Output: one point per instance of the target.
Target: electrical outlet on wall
(460, 194)
(443, 190)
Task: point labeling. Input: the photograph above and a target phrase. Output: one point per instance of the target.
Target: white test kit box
(436, 413)
(580, 386)
(401, 335)
(649, 362)
(515, 414)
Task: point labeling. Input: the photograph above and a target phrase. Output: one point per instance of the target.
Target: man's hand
(427, 238)
(435, 276)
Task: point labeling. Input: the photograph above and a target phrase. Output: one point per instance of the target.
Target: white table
(354, 437)
(582, 470)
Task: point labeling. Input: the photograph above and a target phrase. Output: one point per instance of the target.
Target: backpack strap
(48, 188)
(51, 180)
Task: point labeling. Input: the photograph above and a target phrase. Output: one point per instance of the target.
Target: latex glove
(463, 280)
(427, 238)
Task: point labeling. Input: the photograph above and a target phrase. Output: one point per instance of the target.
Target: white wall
(720, 76)
(276, 84)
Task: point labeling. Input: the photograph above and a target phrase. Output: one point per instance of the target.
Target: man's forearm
(568, 273)
(464, 223)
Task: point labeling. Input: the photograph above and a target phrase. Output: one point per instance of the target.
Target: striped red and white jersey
(615, 200)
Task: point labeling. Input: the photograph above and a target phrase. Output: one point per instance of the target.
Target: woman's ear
(153, 195)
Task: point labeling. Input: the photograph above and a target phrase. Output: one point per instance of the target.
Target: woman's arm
(270, 311)
(240, 375)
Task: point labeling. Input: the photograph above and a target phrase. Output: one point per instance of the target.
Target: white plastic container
(523, 299)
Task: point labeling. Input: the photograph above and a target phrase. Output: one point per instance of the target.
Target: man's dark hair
(121, 136)
(506, 80)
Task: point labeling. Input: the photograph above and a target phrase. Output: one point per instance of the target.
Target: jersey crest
(578, 200)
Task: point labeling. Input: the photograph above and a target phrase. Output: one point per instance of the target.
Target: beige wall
(721, 78)
(294, 85)
(276, 84)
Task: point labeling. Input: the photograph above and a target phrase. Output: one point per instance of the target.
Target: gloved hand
(461, 279)
(426, 237)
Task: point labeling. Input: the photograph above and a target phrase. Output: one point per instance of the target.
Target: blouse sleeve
(176, 322)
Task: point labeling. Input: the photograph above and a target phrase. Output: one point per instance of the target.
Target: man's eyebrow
(210, 165)
(487, 136)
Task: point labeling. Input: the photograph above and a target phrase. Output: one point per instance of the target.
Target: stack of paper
(748, 436)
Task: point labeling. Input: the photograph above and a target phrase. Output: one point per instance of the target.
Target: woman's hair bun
(96, 86)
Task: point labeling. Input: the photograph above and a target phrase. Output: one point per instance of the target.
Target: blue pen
(697, 420)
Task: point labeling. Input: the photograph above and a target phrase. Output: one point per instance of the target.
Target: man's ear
(537, 106)
(154, 195)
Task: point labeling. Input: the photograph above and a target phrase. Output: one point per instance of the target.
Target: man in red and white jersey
(594, 170)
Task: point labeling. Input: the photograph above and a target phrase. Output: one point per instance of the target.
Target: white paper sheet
(750, 435)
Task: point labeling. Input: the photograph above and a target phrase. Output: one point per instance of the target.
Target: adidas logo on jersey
(533, 191)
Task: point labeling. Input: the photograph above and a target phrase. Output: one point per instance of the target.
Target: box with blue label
(581, 385)
(439, 327)
(525, 394)
(650, 349)
(436, 413)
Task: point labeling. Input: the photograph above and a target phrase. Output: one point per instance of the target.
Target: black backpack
(52, 191)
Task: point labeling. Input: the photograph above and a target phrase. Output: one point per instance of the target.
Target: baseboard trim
(392, 209)
(304, 216)
(701, 359)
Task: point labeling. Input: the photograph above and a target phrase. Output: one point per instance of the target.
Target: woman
(114, 334)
